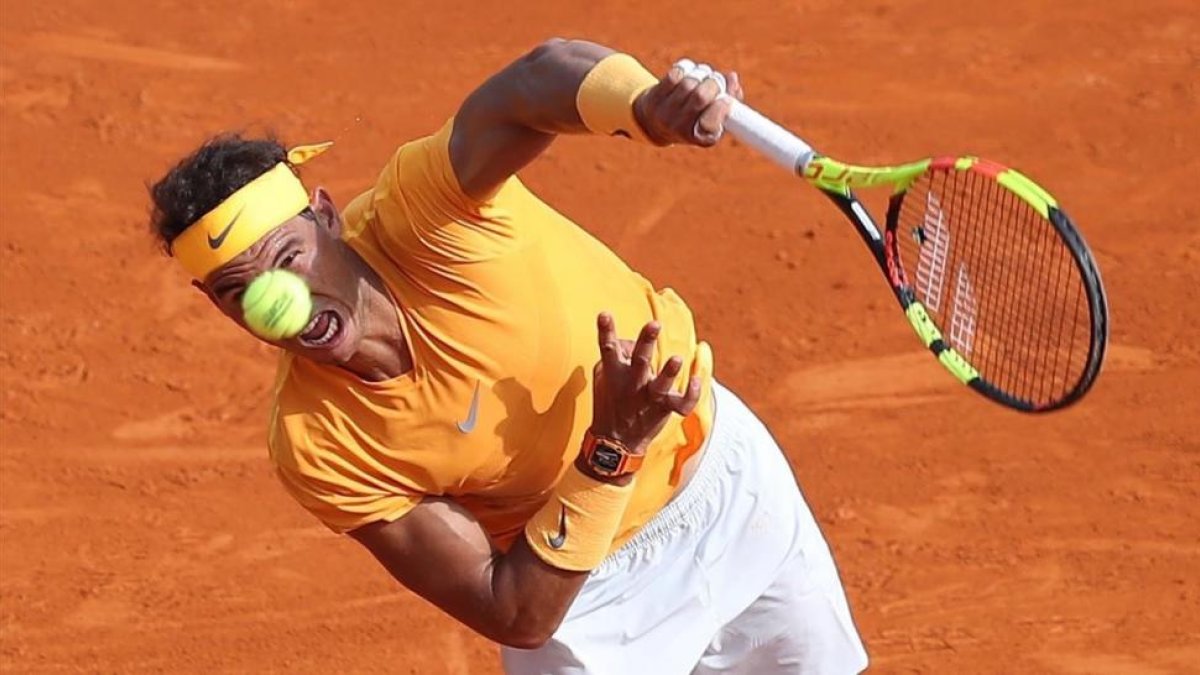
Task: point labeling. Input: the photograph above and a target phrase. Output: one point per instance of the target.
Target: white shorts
(733, 576)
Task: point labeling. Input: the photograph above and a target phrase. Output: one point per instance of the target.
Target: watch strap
(594, 447)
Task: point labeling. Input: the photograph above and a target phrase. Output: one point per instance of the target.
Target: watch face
(606, 458)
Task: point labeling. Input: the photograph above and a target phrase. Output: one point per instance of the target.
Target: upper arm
(440, 552)
(510, 119)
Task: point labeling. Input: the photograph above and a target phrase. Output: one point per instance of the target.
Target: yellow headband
(245, 216)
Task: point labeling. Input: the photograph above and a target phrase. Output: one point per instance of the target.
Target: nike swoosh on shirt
(468, 425)
(215, 243)
(556, 542)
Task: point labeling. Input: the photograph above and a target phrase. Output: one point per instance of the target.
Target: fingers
(643, 353)
(711, 124)
(660, 387)
(631, 397)
(668, 401)
(610, 346)
(657, 96)
(735, 86)
(687, 104)
(677, 71)
(698, 88)
(683, 405)
(694, 89)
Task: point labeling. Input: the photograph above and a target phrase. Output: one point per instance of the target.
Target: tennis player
(464, 405)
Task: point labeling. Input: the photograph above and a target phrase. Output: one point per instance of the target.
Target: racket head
(996, 281)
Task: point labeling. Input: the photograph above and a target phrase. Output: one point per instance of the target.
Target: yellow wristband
(606, 96)
(575, 529)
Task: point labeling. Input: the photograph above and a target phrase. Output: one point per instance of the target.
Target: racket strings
(998, 280)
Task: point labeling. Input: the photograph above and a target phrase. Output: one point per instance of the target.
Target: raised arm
(515, 115)
(519, 598)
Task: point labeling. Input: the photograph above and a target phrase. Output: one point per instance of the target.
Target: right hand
(630, 402)
(687, 105)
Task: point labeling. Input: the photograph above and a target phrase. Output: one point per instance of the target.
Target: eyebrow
(289, 242)
(281, 244)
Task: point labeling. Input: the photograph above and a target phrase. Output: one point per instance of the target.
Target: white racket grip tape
(778, 144)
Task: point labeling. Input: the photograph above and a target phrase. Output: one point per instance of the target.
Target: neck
(383, 352)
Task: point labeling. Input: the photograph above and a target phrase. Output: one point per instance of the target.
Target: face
(314, 251)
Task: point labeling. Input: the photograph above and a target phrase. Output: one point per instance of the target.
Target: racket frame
(838, 180)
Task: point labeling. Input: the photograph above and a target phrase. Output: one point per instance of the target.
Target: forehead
(261, 253)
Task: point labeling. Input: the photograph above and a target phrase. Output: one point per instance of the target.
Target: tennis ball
(277, 305)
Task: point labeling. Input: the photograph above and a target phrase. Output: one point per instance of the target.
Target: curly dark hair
(204, 179)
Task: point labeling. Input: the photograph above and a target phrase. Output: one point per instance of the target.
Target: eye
(231, 293)
(289, 259)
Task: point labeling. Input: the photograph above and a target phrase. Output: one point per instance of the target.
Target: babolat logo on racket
(934, 239)
(962, 313)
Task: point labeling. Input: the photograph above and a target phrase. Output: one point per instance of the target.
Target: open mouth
(323, 330)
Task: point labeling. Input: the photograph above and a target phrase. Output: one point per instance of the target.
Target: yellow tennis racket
(995, 279)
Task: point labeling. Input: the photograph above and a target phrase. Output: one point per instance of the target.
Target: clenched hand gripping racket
(993, 276)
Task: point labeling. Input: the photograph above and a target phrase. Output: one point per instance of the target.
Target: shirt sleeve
(319, 467)
(424, 216)
(342, 506)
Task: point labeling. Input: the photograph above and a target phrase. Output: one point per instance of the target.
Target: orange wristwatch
(609, 457)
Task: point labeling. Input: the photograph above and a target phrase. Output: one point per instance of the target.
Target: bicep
(514, 116)
(485, 154)
(439, 551)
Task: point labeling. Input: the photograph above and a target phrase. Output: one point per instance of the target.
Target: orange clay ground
(141, 527)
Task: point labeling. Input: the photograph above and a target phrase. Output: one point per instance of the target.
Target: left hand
(686, 106)
(632, 399)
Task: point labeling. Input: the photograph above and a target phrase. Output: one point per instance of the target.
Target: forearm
(440, 552)
(538, 91)
(578, 87)
(568, 537)
(561, 87)
(528, 598)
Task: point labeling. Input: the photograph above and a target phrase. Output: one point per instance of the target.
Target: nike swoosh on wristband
(468, 425)
(556, 542)
(215, 244)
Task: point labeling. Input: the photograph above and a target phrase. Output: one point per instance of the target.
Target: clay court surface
(141, 528)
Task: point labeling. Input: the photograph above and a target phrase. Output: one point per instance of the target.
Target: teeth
(329, 332)
(312, 323)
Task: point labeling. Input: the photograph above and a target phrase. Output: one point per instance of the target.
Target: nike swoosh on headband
(215, 243)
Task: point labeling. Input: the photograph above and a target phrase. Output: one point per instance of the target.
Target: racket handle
(778, 144)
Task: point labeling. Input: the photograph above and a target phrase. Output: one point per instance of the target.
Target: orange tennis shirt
(498, 301)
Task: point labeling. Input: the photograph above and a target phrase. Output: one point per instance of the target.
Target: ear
(198, 285)
(327, 212)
